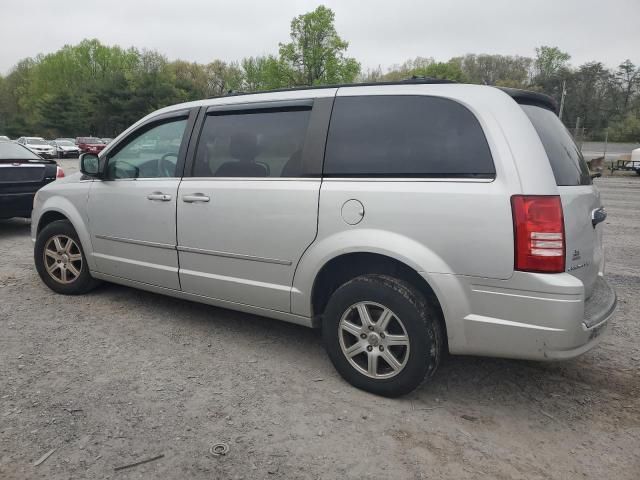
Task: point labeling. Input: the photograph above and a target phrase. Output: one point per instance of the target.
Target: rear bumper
(530, 316)
(16, 204)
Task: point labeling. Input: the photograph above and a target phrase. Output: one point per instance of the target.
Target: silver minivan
(406, 220)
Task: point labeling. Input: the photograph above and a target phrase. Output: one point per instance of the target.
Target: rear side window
(567, 163)
(252, 144)
(405, 136)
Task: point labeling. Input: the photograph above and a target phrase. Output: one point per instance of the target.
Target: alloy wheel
(374, 340)
(62, 259)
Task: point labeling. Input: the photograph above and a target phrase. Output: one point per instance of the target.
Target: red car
(89, 144)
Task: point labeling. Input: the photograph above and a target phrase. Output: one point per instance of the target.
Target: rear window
(405, 136)
(91, 140)
(567, 162)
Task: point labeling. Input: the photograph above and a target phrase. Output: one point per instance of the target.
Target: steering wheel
(167, 168)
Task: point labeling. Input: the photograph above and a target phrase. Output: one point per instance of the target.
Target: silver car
(405, 220)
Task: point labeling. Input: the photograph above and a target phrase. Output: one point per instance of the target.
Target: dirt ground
(121, 375)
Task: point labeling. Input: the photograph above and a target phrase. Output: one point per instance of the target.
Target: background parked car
(89, 144)
(4, 138)
(65, 148)
(38, 145)
(106, 141)
(22, 173)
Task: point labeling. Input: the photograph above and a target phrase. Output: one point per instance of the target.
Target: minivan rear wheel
(382, 335)
(60, 260)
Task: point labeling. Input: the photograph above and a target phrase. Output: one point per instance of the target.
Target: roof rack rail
(526, 97)
(413, 80)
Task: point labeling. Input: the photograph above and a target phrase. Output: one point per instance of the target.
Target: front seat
(244, 148)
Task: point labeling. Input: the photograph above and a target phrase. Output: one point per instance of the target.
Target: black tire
(419, 319)
(83, 283)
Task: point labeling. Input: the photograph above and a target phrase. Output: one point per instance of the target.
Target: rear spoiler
(527, 97)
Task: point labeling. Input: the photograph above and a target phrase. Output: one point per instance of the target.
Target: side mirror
(596, 175)
(90, 165)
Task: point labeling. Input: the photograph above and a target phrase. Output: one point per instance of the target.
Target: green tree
(316, 53)
(550, 62)
(265, 73)
(626, 129)
(628, 77)
(500, 70)
(441, 70)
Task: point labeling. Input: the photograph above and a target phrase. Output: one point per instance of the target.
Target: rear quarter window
(405, 136)
(567, 162)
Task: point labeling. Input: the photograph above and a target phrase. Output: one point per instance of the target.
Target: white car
(38, 145)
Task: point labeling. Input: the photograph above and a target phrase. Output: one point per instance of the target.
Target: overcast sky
(380, 32)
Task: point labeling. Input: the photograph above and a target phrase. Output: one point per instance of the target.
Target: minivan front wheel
(60, 260)
(382, 335)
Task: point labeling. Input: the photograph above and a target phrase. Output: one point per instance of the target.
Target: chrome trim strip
(137, 242)
(252, 179)
(21, 165)
(498, 321)
(239, 256)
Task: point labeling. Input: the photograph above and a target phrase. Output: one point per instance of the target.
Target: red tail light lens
(538, 227)
(59, 172)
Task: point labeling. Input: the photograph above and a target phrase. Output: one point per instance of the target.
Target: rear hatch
(25, 175)
(579, 196)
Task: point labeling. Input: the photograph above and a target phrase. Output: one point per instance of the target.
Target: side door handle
(598, 215)
(159, 196)
(196, 197)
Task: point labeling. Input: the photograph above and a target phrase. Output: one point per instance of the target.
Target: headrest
(244, 146)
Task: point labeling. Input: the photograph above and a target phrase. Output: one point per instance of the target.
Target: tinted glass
(252, 144)
(150, 154)
(36, 141)
(91, 140)
(405, 136)
(13, 151)
(565, 157)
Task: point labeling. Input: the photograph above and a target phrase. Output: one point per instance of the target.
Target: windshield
(36, 141)
(13, 151)
(65, 143)
(89, 140)
(565, 157)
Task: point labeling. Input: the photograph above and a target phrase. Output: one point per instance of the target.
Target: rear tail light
(538, 226)
(59, 172)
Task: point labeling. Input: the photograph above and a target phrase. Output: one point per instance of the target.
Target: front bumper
(530, 316)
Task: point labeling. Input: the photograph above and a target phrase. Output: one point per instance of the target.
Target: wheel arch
(344, 267)
(48, 217)
(60, 208)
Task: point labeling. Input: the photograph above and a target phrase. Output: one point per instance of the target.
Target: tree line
(91, 88)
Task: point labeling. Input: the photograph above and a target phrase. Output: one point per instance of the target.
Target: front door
(248, 209)
(132, 210)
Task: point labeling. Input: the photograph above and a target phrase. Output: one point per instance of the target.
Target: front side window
(252, 144)
(405, 136)
(150, 154)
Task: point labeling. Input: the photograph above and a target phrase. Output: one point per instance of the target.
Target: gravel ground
(121, 375)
